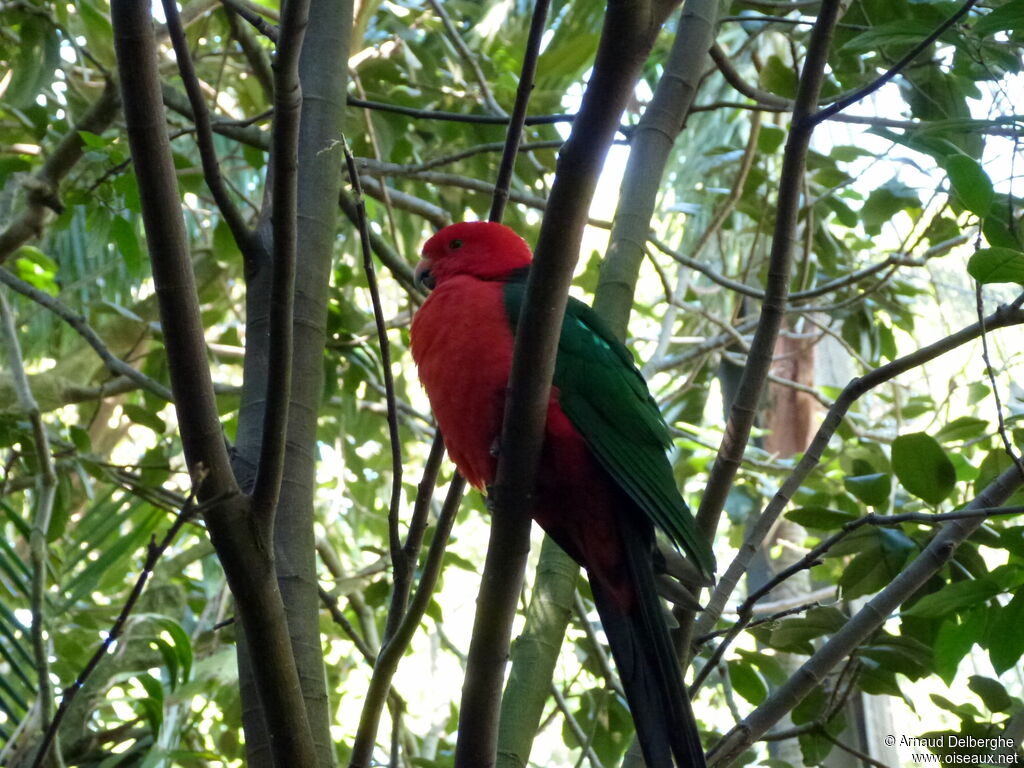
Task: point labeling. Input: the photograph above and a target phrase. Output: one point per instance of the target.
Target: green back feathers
(607, 400)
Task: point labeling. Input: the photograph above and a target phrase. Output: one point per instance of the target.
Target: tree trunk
(323, 75)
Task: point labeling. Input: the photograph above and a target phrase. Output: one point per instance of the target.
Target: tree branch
(243, 548)
(535, 653)
(514, 135)
(759, 362)
(284, 219)
(42, 186)
(862, 93)
(204, 135)
(814, 556)
(115, 365)
(626, 39)
(46, 487)
(651, 144)
(394, 539)
(1002, 317)
(866, 621)
(153, 554)
(394, 648)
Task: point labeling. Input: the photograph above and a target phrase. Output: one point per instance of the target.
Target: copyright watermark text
(978, 751)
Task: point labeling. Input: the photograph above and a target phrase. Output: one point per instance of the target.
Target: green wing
(607, 400)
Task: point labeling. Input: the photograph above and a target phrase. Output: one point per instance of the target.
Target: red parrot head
(480, 249)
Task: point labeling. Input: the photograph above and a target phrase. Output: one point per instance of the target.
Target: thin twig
(1007, 444)
(257, 22)
(862, 93)
(395, 647)
(517, 120)
(771, 619)
(585, 740)
(863, 624)
(204, 134)
(154, 551)
(1002, 317)
(41, 188)
(724, 63)
(342, 621)
(760, 360)
(47, 490)
(815, 555)
(455, 117)
(862, 756)
(78, 323)
(394, 538)
(468, 56)
(409, 554)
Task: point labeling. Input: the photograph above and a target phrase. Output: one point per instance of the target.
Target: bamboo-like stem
(535, 653)
(652, 142)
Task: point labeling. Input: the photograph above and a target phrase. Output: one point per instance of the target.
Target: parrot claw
(668, 560)
(676, 593)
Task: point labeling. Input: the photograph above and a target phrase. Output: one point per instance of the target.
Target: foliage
(907, 198)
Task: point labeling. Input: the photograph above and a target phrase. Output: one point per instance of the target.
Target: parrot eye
(455, 244)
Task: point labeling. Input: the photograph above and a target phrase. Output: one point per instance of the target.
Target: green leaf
(997, 265)
(971, 184)
(966, 712)
(127, 242)
(922, 467)
(952, 643)
(991, 692)
(770, 139)
(747, 683)
(778, 78)
(817, 622)
(877, 681)
(820, 518)
(881, 557)
(885, 202)
(94, 141)
(37, 55)
(900, 653)
(1006, 641)
(1006, 17)
(954, 597)
(963, 428)
(872, 489)
(814, 747)
(900, 32)
(140, 415)
(35, 256)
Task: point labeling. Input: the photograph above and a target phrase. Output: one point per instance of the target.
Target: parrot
(604, 480)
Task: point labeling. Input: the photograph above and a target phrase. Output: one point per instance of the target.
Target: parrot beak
(422, 276)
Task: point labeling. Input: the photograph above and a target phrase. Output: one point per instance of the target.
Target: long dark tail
(647, 666)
